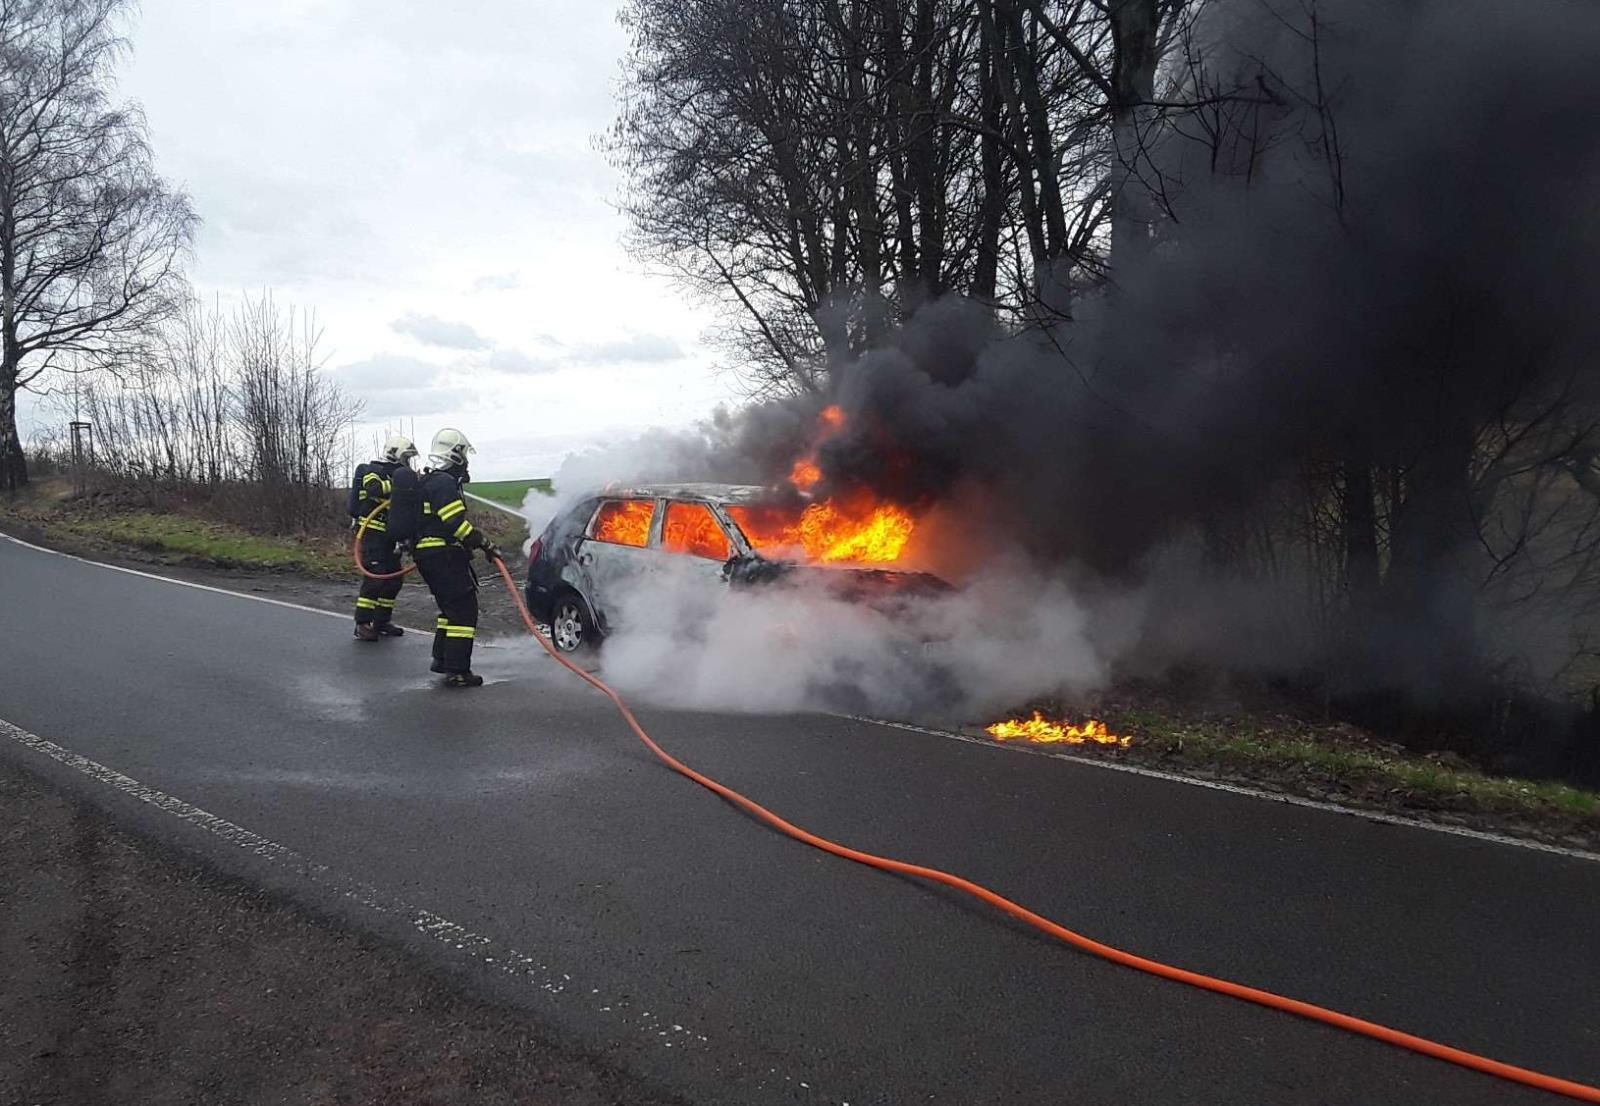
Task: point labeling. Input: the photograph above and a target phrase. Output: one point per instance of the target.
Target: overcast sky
(428, 183)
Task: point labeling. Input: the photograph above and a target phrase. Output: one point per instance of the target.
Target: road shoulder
(137, 974)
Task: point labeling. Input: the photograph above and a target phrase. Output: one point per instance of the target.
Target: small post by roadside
(82, 454)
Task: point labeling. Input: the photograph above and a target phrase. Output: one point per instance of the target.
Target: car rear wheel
(571, 628)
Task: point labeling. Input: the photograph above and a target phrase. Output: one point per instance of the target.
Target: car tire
(572, 628)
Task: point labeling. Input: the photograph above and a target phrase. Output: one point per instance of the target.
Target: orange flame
(624, 521)
(859, 529)
(830, 534)
(862, 530)
(1042, 730)
(805, 474)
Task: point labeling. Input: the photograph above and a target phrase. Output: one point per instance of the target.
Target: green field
(509, 492)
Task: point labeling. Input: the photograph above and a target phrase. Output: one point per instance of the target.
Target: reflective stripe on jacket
(444, 514)
(373, 483)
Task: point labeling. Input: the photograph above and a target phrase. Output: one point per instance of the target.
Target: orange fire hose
(1538, 1080)
(355, 549)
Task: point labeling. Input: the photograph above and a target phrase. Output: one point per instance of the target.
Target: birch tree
(91, 239)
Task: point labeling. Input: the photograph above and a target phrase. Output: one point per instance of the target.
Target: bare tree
(90, 238)
(290, 419)
(230, 407)
(820, 168)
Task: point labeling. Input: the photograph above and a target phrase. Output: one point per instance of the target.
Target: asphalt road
(702, 951)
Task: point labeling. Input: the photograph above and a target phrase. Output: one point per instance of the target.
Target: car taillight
(534, 550)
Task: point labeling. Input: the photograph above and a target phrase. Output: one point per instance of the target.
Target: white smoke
(684, 639)
(703, 453)
(538, 508)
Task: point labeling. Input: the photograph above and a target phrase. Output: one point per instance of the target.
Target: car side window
(691, 528)
(623, 521)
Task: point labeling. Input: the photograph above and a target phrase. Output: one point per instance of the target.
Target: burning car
(731, 535)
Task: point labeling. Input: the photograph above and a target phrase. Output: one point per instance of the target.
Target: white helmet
(398, 448)
(450, 447)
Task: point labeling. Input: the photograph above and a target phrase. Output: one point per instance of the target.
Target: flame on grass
(1044, 731)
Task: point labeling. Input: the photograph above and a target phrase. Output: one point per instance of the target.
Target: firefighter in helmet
(443, 550)
(374, 485)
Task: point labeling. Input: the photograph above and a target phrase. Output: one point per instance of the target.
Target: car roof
(713, 493)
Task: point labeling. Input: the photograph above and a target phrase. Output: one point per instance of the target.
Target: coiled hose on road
(1583, 1092)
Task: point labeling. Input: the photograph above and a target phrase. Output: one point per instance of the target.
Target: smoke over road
(1009, 634)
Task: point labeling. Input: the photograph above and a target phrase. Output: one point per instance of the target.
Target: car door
(556, 565)
(694, 540)
(616, 552)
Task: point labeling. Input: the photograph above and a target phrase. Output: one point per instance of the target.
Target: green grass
(1250, 745)
(50, 512)
(214, 543)
(509, 492)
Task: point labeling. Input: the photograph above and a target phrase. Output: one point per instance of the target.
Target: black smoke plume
(1379, 260)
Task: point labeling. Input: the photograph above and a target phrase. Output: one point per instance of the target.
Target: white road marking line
(195, 586)
(1153, 773)
(1237, 789)
(172, 579)
(451, 935)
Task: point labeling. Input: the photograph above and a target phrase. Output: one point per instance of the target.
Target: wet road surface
(734, 966)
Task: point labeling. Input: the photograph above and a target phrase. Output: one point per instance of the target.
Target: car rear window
(691, 528)
(623, 521)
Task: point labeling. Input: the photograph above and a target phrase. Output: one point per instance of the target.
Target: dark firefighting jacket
(372, 485)
(444, 513)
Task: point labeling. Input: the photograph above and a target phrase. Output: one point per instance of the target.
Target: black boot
(389, 629)
(366, 631)
(463, 679)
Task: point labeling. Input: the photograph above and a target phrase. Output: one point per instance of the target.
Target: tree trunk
(862, 186)
(1134, 25)
(13, 465)
(1360, 537)
(924, 158)
(1043, 216)
(1429, 597)
(986, 267)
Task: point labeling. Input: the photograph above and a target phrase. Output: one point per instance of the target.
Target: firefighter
(443, 550)
(375, 483)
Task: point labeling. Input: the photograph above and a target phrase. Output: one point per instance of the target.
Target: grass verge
(214, 543)
(48, 512)
(1340, 763)
(1354, 761)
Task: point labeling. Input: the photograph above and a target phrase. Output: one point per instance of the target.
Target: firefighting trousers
(375, 604)
(448, 574)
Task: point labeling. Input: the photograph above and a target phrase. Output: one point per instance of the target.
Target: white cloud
(498, 282)
(431, 330)
(634, 348)
(387, 372)
(424, 164)
(507, 360)
(417, 401)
